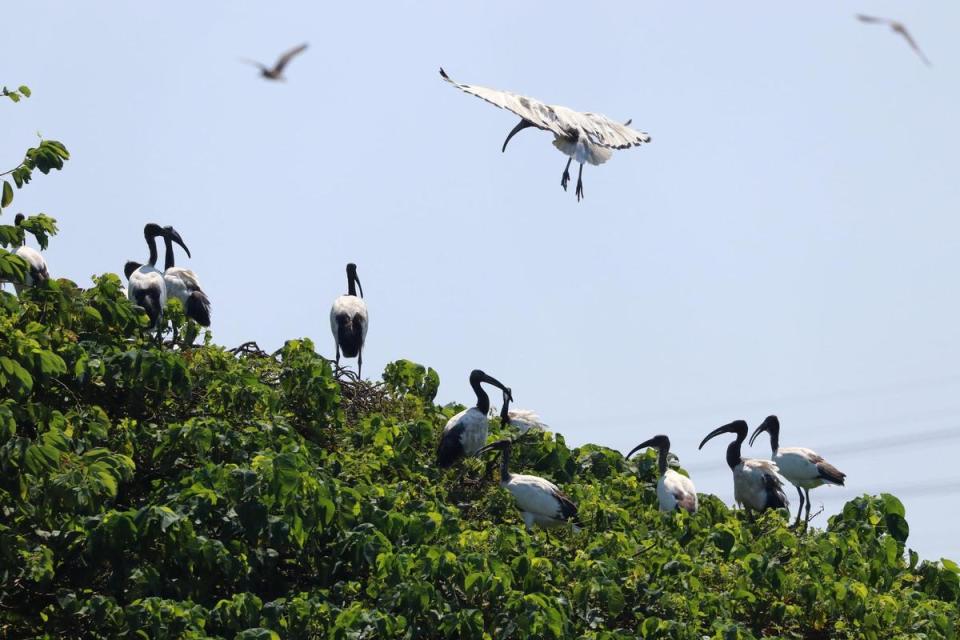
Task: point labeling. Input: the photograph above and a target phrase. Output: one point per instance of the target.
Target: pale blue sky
(787, 244)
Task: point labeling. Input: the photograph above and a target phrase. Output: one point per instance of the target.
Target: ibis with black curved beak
(674, 490)
(146, 287)
(466, 433)
(540, 501)
(349, 320)
(804, 468)
(756, 484)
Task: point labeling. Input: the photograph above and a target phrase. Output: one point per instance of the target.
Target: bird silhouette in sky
(276, 72)
(897, 28)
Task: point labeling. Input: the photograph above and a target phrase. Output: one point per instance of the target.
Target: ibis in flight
(466, 433)
(540, 501)
(276, 71)
(899, 29)
(584, 137)
(804, 468)
(37, 267)
(756, 484)
(348, 320)
(674, 490)
(146, 287)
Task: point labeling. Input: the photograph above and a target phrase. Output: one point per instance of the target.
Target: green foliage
(193, 493)
(188, 492)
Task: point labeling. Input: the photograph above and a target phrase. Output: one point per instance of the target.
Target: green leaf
(7, 197)
(24, 89)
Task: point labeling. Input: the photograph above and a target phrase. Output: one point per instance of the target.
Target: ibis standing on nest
(584, 137)
(674, 490)
(348, 320)
(804, 468)
(540, 501)
(756, 484)
(37, 267)
(466, 433)
(146, 287)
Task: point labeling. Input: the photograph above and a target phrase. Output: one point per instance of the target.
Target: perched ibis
(466, 433)
(146, 287)
(37, 267)
(756, 484)
(584, 137)
(276, 71)
(540, 501)
(349, 321)
(674, 490)
(804, 468)
(183, 284)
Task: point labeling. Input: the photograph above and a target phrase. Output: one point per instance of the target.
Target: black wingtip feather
(198, 308)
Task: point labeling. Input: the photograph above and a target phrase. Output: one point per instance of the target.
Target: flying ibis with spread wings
(899, 29)
(276, 71)
(584, 137)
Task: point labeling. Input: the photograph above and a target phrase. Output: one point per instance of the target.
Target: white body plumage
(524, 420)
(349, 307)
(473, 426)
(537, 499)
(148, 289)
(800, 466)
(38, 266)
(753, 479)
(676, 490)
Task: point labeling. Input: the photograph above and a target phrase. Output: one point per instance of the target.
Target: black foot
(565, 179)
(579, 190)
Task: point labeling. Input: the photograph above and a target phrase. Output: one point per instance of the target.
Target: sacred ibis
(183, 284)
(584, 137)
(540, 501)
(674, 490)
(466, 433)
(276, 71)
(523, 420)
(756, 484)
(146, 287)
(804, 468)
(37, 267)
(899, 29)
(349, 321)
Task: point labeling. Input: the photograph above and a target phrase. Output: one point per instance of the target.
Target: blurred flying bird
(897, 27)
(584, 137)
(276, 73)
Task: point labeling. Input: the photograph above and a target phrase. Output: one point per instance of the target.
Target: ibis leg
(807, 521)
(566, 175)
(800, 508)
(337, 361)
(359, 362)
(580, 183)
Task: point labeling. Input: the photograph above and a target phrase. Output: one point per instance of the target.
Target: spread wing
(561, 121)
(287, 57)
(872, 19)
(913, 45)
